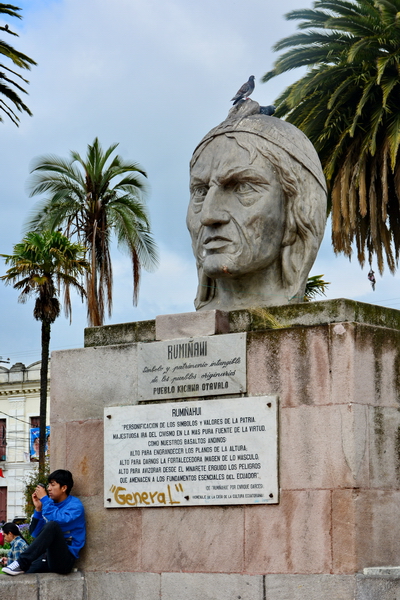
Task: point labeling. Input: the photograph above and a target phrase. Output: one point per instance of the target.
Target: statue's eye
(198, 193)
(243, 187)
(246, 192)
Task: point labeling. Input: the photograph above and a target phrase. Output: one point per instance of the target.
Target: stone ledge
(378, 571)
(305, 314)
(44, 586)
(122, 333)
(100, 585)
(377, 587)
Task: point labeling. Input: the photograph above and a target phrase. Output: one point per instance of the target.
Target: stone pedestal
(336, 368)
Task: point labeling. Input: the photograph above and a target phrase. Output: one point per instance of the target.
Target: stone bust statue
(257, 211)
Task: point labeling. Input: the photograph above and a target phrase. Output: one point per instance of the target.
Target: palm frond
(348, 104)
(315, 286)
(9, 88)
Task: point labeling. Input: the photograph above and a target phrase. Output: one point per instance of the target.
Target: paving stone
(383, 587)
(23, 587)
(60, 587)
(309, 587)
(46, 586)
(123, 586)
(206, 586)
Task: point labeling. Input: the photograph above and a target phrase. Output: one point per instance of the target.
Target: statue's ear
(293, 268)
(298, 254)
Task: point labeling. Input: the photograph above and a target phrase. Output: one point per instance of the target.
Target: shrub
(37, 476)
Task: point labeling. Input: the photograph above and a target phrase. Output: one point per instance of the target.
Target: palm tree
(90, 200)
(40, 265)
(20, 60)
(315, 286)
(348, 104)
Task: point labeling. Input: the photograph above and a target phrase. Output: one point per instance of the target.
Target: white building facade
(19, 412)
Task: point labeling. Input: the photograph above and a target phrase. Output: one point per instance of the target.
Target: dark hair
(62, 477)
(12, 528)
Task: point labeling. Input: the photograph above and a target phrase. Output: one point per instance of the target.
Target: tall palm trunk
(43, 391)
(93, 304)
(41, 264)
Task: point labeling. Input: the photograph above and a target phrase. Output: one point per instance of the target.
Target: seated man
(58, 526)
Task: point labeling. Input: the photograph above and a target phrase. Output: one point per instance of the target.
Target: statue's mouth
(216, 240)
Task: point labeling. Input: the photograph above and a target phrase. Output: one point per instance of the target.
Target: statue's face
(236, 215)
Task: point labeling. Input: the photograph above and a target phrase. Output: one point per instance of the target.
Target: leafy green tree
(92, 199)
(348, 104)
(9, 88)
(39, 266)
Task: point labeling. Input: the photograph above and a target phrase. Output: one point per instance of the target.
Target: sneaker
(13, 569)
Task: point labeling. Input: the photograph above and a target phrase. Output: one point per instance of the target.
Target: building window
(35, 421)
(3, 504)
(3, 442)
(34, 439)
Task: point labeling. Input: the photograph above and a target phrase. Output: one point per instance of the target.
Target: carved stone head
(257, 212)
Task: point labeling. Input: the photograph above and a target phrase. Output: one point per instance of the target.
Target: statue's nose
(214, 210)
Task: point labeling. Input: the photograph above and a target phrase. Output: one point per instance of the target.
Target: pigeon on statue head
(245, 91)
(267, 110)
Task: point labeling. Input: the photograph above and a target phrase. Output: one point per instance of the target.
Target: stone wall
(339, 457)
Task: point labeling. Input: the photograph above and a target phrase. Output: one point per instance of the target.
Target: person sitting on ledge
(58, 526)
(18, 544)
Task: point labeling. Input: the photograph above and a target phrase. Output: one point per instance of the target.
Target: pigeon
(267, 110)
(245, 91)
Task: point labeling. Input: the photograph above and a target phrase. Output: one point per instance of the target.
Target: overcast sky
(154, 76)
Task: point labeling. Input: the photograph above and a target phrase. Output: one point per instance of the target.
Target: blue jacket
(70, 516)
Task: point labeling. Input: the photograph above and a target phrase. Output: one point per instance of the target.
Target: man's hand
(37, 495)
(40, 491)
